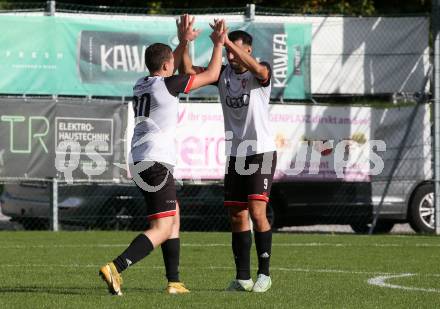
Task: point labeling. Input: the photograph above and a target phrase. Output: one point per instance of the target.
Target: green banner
(104, 56)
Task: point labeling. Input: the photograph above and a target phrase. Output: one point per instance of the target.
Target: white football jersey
(155, 104)
(245, 103)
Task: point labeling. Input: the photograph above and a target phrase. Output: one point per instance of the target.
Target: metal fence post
(436, 29)
(50, 8)
(250, 12)
(54, 205)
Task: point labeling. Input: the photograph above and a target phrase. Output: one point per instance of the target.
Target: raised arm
(243, 57)
(212, 72)
(186, 33)
(178, 54)
(186, 65)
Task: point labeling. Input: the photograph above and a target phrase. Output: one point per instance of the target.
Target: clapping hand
(185, 30)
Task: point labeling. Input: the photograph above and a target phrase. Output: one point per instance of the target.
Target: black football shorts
(158, 189)
(249, 178)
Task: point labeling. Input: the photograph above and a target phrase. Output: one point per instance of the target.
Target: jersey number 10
(141, 105)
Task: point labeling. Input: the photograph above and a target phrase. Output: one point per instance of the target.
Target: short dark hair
(245, 37)
(155, 55)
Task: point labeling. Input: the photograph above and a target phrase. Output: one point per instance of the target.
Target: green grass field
(59, 270)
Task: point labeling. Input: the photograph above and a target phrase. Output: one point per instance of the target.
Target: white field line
(380, 281)
(310, 244)
(213, 267)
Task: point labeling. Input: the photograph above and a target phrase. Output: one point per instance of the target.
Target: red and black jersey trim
(189, 84)
(162, 214)
(179, 83)
(258, 197)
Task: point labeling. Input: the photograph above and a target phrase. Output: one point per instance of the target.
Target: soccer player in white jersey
(244, 86)
(155, 103)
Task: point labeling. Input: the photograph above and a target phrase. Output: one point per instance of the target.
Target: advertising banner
(315, 143)
(46, 139)
(77, 141)
(307, 138)
(74, 55)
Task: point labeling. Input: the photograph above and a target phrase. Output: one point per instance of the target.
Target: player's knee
(258, 216)
(262, 224)
(236, 220)
(257, 209)
(168, 230)
(238, 217)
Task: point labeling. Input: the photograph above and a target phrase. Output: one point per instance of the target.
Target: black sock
(263, 243)
(171, 256)
(241, 247)
(139, 248)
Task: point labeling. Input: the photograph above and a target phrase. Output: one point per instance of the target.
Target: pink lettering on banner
(181, 115)
(220, 157)
(191, 151)
(196, 152)
(193, 117)
(208, 142)
(307, 118)
(201, 141)
(212, 117)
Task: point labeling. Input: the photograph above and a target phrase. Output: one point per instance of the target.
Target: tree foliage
(343, 7)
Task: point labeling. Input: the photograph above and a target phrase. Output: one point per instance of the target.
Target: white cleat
(241, 285)
(262, 284)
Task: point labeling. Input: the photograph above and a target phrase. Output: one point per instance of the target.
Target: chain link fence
(340, 84)
(107, 206)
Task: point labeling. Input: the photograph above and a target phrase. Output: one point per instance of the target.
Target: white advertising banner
(313, 142)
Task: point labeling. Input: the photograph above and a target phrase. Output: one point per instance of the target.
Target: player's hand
(225, 31)
(185, 30)
(220, 25)
(219, 33)
(213, 25)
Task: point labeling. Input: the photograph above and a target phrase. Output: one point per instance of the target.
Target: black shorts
(159, 190)
(241, 187)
